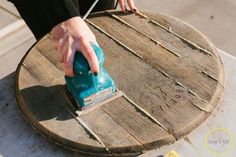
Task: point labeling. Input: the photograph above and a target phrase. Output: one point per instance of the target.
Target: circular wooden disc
(171, 74)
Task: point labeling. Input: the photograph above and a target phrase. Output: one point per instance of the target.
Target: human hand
(70, 36)
(130, 4)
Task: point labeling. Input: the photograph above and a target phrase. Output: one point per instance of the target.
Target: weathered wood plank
(42, 70)
(160, 58)
(116, 138)
(46, 49)
(158, 94)
(173, 42)
(137, 124)
(211, 68)
(183, 29)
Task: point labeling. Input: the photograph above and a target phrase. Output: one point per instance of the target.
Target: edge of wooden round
(87, 149)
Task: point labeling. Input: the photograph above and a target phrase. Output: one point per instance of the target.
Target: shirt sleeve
(42, 15)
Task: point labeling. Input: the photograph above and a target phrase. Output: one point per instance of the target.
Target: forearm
(42, 15)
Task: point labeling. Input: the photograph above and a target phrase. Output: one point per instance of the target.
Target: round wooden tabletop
(171, 75)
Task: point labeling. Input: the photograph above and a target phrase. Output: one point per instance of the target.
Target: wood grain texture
(173, 81)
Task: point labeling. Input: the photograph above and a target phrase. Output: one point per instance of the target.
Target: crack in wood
(29, 71)
(145, 112)
(167, 104)
(212, 77)
(164, 73)
(201, 108)
(87, 129)
(82, 123)
(179, 84)
(164, 94)
(189, 42)
(137, 30)
(130, 133)
(194, 94)
(116, 40)
(161, 108)
(173, 101)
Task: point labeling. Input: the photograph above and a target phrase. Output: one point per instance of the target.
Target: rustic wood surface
(171, 75)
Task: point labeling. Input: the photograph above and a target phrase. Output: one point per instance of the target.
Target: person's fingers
(65, 54)
(122, 5)
(54, 44)
(57, 33)
(132, 6)
(89, 54)
(68, 52)
(59, 47)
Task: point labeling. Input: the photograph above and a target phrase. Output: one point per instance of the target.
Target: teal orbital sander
(85, 89)
(88, 89)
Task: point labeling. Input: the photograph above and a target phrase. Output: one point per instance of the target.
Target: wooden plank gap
(83, 124)
(181, 84)
(116, 40)
(212, 77)
(35, 76)
(146, 113)
(87, 129)
(32, 74)
(131, 134)
(145, 35)
(39, 51)
(189, 42)
(164, 73)
(194, 94)
(207, 110)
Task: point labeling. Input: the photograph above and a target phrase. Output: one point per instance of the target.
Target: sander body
(86, 88)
